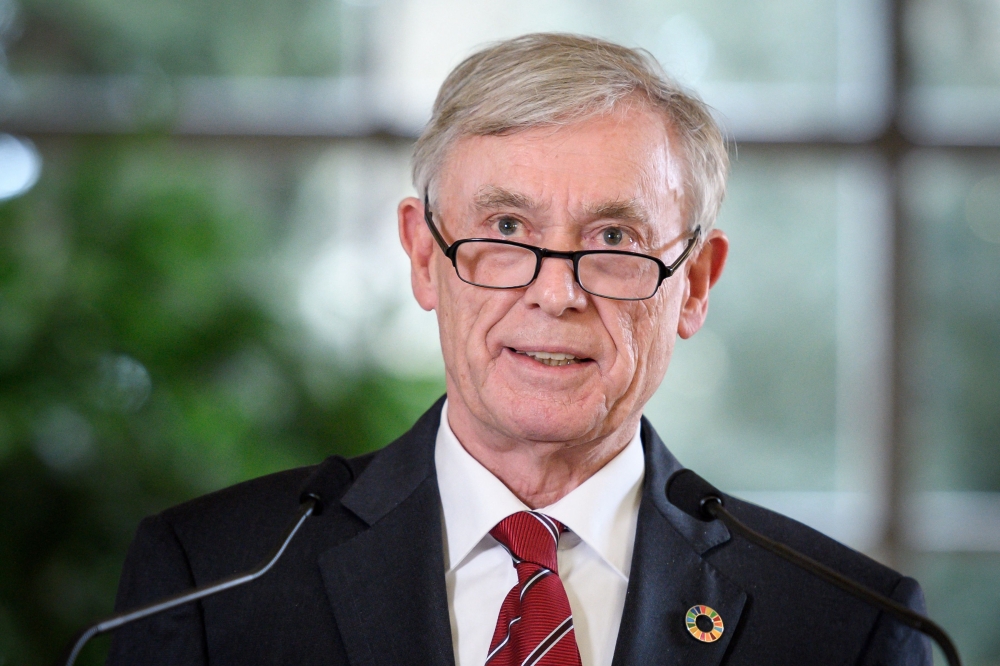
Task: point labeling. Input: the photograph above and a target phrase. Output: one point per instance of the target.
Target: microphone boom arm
(112, 622)
(713, 506)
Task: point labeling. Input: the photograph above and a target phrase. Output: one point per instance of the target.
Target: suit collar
(386, 583)
(396, 471)
(660, 465)
(669, 576)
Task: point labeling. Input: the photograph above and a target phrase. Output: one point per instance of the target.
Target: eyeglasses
(504, 264)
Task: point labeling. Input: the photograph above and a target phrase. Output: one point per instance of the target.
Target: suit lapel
(669, 576)
(386, 584)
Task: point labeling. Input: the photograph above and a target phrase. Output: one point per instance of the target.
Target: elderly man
(564, 237)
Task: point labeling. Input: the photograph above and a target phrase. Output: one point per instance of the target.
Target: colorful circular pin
(704, 624)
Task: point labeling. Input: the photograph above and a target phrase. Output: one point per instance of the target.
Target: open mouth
(553, 359)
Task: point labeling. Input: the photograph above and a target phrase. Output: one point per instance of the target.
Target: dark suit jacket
(363, 583)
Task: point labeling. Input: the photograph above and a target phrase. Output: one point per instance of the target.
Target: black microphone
(699, 499)
(323, 486)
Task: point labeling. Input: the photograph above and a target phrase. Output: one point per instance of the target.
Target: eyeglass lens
(619, 275)
(502, 266)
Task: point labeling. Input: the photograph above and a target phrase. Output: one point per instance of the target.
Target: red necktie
(535, 627)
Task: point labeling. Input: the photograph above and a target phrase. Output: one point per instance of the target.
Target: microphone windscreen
(327, 483)
(688, 492)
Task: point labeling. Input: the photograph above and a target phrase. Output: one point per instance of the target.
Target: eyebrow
(492, 197)
(619, 210)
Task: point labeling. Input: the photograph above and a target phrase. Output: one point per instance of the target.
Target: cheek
(455, 314)
(641, 333)
(661, 348)
(629, 335)
(466, 316)
(661, 337)
(627, 326)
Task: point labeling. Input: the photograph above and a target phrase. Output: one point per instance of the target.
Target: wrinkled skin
(611, 182)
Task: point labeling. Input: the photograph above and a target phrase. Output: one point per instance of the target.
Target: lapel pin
(704, 624)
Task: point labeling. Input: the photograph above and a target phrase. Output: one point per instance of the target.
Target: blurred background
(200, 280)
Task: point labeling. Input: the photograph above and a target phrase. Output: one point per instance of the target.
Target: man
(564, 238)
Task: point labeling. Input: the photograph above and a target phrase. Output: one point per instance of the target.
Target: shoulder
(261, 505)
(222, 532)
(260, 495)
(233, 518)
(812, 543)
(786, 603)
(216, 536)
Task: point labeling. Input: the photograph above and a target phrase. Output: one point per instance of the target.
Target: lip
(552, 349)
(582, 359)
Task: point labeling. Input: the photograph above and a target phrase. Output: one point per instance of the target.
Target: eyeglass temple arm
(695, 235)
(430, 225)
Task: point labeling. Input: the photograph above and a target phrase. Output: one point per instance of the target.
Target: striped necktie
(535, 627)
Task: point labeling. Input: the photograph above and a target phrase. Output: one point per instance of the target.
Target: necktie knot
(530, 536)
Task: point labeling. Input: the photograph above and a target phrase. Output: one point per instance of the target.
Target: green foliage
(179, 37)
(139, 367)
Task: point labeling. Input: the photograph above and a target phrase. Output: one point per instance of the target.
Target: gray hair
(548, 79)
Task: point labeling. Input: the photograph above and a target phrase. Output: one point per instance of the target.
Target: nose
(555, 290)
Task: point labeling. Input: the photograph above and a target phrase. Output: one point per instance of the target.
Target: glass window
(963, 596)
(951, 352)
(953, 42)
(772, 69)
(953, 66)
(952, 341)
(778, 70)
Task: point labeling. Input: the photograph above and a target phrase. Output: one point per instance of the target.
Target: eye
(508, 226)
(612, 236)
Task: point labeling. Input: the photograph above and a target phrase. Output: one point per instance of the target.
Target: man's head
(565, 143)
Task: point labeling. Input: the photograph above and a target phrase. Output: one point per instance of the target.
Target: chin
(551, 420)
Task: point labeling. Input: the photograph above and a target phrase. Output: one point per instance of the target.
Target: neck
(539, 473)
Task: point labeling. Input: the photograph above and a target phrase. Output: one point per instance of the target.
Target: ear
(419, 245)
(704, 269)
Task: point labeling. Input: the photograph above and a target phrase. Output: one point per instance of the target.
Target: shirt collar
(602, 511)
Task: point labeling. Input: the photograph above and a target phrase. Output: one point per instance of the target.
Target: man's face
(609, 182)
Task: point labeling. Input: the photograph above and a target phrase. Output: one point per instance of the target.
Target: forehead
(627, 156)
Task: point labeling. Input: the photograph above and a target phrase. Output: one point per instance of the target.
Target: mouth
(552, 359)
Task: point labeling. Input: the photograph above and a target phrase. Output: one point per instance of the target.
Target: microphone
(322, 486)
(701, 500)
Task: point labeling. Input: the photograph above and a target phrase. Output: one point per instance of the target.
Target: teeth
(551, 358)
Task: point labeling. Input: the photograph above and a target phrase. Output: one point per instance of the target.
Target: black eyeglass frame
(540, 253)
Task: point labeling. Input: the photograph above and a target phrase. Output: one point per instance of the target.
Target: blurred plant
(178, 37)
(139, 367)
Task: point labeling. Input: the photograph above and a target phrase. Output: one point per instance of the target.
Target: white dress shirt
(594, 557)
